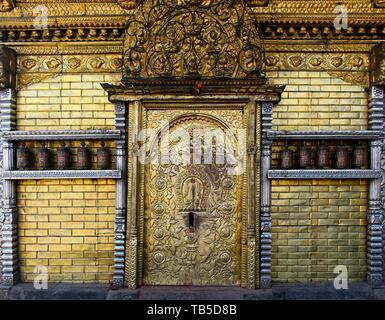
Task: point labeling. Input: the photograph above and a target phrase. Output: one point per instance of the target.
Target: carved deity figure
(192, 193)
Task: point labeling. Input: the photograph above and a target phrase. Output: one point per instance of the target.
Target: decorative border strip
(331, 135)
(61, 135)
(62, 174)
(266, 221)
(324, 174)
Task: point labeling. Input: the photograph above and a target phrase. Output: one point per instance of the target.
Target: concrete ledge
(356, 291)
(59, 292)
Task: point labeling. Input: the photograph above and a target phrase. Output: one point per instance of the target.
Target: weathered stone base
(356, 291)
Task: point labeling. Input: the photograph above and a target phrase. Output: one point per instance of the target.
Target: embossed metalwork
(191, 39)
(7, 5)
(304, 156)
(63, 157)
(23, 157)
(209, 255)
(323, 156)
(379, 3)
(33, 69)
(43, 157)
(103, 157)
(287, 158)
(84, 157)
(360, 156)
(342, 159)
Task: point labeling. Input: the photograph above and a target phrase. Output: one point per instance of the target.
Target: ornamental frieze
(33, 69)
(317, 61)
(349, 67)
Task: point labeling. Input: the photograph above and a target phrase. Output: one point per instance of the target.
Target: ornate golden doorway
(194, 197)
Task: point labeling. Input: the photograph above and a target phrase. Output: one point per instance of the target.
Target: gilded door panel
(193, 209)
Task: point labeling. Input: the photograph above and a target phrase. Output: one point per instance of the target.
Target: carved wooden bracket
(7, 5)
(7, 68)
(377, 75)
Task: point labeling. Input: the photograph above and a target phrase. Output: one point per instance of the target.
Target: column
(375, 211)
(251, 233)
(133, 261)
(375, 229)
(121, 197)
(8, 209)
(267, 119)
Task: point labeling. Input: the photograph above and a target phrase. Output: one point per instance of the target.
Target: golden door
(193, 201)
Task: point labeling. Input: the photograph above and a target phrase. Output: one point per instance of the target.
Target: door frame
(138, 109)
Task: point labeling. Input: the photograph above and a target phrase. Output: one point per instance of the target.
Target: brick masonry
(318, 224)
(68, 225)
(316, 101)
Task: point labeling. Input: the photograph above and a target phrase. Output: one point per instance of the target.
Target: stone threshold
(319, 291)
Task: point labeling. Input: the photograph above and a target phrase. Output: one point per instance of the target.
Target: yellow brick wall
(67, 225)
(318, 225)
(68, 101)
(317, 101)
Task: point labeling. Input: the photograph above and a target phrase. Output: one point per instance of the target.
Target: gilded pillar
(132, 195)
(265, 265)
(8, 210)
(121, 197)
(251, 232)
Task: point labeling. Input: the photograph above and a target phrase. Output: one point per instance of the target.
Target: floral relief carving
(349, 67)
(192, 38)
(33, 69)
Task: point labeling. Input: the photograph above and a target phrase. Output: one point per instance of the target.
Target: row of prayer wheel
(343, 157)
(44, 157)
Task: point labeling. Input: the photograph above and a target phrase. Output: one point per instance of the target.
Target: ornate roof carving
(192, 38)
(302, 21)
